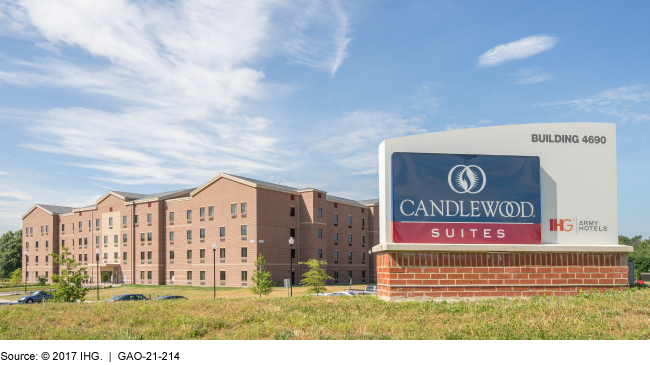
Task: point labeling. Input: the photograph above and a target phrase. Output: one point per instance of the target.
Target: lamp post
(369, 266)
(97, 274)
(26, 267)
(214, 270)
(291, 259)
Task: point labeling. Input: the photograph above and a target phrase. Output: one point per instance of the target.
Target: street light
(26, 267)
(369, 266)
(214, 270)
(97, 274)
(291, 241)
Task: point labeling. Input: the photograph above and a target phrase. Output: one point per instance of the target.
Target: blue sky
(146, 96)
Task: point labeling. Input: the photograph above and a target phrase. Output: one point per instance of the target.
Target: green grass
(611, 315)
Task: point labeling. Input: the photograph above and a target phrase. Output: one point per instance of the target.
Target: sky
(152, 96)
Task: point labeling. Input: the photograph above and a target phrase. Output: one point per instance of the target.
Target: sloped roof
(265, 183)
(338, 199)
(369, 201)
(246, 181)
(129, 196)
(166, 194)
(50, 209)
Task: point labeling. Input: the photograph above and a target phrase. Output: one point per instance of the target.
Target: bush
(641, 263)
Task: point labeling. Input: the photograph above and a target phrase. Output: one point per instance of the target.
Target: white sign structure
(577, 174)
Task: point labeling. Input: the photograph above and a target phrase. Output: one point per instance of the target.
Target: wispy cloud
(481, 123)
(522, 48)
(180, 77)
(531, 76)
(619, 102)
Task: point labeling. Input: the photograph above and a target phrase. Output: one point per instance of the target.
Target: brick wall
(420, 275)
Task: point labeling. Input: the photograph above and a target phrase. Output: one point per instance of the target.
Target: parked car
(36, 297)
(343, 294)
(165, 297)
(370, 289)
(127, 298)
(320, 295)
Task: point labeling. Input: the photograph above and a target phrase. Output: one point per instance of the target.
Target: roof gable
(49, 209)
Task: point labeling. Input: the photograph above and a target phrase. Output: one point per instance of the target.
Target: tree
(17, 277)
(262, 278)
(42, 279)
(68, 284)
(11, 244)
(106, 276)
(315, 277)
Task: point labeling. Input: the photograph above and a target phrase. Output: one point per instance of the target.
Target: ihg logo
(563, 225)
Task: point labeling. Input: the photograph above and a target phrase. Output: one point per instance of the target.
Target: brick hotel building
(148, 239)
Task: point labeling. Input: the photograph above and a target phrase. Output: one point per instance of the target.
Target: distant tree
(261, 278)
(42, 279)
(315, 278)
(641, 247)
(11, 244)
(68, 284)
(16, 278)
(106, 276)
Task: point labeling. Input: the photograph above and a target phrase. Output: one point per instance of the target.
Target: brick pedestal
(407, 272)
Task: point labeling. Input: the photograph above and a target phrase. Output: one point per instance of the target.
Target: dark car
(127, 298)
(36, 297)
(165, 297)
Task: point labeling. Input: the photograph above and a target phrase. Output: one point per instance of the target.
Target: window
(171, 275)
(336, 237)
(80, 222)
(222, 231)
(86, 256)
(124, 220)
(47, 258)
(124, 256)
(222, 275)
(336, 275)
(349, 219)
(47, 244)
(46, 274)
(189, 254)
(319, 195)
(63, 243)
(202, 275)
(171, 216)
(244, 276)
(124, 238)
(189, 215)
(189, 235)
(141, 237)
(350, 238)
(36, 259)
(189, 275)
(27, 244)
(244, 252)
(137, 219)
(202, 233)
(293, 253)
(116, 255)
(320, 253)
(202, 212)
(336, 218)
(171, 255)
(222, 253)
(363, 256)
(43, 228)
(148, 205)
(320, 212)
(202, 253)
(243, 208)
(110, 222)
(80, 240)
(62, 228)
(349, 274)
(363, 222)
(349, 255)
(292, 232)
(363, 210)
(320, 233)
(210, 211)
(149, 255)
(97, 240)
(149, 218)
(292, 212)
(233, 208)
(142, 275)
(149, 236)
(171, 236)
(363, 239)
(244, 230)
(85, 241)
(336, 255)
(115, 239)
(36, 244)
(336, 205)
(105, 255)
(293, 197)
(149, 275)
(141, 255)
(31, 230)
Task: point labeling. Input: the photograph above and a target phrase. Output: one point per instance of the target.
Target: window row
(222, 233)
(47, 244)
(222, 253)
(47, 259)
(222, 275)
(336, 255)
(336, 274)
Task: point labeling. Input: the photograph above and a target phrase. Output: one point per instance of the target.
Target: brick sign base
(425, 274)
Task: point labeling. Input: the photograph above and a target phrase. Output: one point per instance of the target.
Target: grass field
(191, 292)
(610, 315)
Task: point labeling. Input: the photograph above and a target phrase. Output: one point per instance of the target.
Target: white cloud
(531, 76)
(179, 74)
(481, 123)
(353, 140)
(522, 48)
(618, 102)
